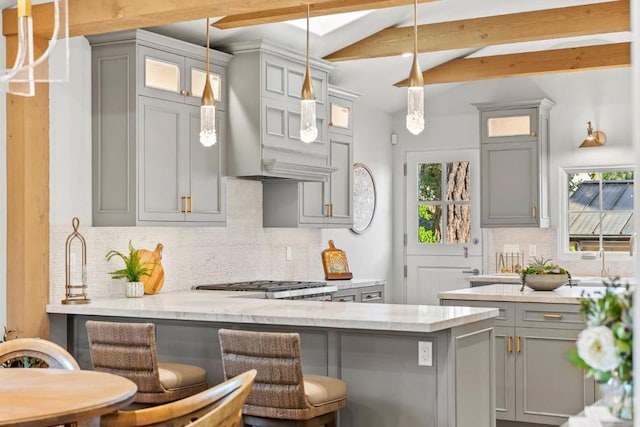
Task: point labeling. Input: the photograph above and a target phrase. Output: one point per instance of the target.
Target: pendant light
(308, 129)
(208, 108)
(415, 93)
(27, 69)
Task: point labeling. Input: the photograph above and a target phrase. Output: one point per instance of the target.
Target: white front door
(443, 238)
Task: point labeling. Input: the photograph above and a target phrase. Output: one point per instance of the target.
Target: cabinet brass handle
(534, 211)
(509, 344)
(331, 209)
(328, 205)
(185, 92)
(553, 316)
(190, 204)
(518, 344)
(184, 204)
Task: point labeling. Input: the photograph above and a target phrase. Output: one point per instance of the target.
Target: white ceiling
(374, 78)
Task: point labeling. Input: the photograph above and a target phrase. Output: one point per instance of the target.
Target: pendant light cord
(307, 34)
(415, 27)
(208, 47)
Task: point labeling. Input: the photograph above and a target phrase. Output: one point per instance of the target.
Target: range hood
(265, 81)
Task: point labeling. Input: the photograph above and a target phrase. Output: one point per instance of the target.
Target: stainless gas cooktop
(279, 289)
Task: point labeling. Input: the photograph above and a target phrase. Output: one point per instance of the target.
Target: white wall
(3, 198)
(369, 253)
(604, 97)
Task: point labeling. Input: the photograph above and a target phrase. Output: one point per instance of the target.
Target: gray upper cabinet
(149, 167)
(265, 82)
(514, 157)
(326, 204)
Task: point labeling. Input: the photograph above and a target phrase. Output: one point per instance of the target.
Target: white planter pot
(134, 289)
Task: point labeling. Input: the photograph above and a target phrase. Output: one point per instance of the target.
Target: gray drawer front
(344, 297)
(560, 316)
(372, 296)
(506, 316)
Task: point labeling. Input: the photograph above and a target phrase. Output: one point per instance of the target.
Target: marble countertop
(225, 306)
(512, 278)
(509, 293)
(354, 283)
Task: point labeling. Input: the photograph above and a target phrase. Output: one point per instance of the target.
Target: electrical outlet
(425, 353)
(289, 253)
(511, 249)
(533, 250)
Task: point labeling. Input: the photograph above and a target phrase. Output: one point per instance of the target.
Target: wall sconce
(595, 138)
(27, 69)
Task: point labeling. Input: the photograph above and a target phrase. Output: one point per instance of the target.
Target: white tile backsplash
(545, 240)
(242, 250)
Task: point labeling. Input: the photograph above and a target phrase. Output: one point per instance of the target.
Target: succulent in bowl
(543, 275)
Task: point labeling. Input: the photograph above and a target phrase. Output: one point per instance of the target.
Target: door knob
(475, 271)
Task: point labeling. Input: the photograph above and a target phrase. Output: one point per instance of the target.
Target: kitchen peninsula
(372, 347)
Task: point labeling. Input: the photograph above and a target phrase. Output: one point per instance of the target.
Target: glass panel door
(161, 75)
(443, 203)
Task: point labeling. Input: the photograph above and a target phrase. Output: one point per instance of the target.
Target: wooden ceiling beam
(608, 17)
(299, 12)
(529, 64)
(103, 16)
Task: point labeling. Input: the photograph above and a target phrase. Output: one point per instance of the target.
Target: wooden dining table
(45, 397)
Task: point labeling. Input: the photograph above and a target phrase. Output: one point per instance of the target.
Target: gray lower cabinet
(514, 161)
(534, 382)
(370, 294)
(148, 165)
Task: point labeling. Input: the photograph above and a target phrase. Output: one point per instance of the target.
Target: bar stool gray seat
(281, 394)
(129, 350)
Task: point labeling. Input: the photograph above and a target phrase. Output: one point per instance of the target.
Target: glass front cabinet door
(177, 78)
(514, 161)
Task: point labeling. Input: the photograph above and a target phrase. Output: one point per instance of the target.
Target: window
(444, 202)
(599, 212)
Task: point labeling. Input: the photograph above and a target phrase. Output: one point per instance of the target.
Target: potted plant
(542, 275)
(134, 269)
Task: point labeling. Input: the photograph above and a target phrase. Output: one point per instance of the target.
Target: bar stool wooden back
(129, 350)
(281, 395)
(218, 406)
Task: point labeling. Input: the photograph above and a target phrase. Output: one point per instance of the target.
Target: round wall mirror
(364, 197)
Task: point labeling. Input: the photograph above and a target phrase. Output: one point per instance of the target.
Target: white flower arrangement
(604, 348)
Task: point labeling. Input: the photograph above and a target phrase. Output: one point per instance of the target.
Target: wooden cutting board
(154, 281)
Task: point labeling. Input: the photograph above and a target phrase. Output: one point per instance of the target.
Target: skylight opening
(323, 25)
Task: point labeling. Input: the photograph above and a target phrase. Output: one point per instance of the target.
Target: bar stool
(281, 395)
(129, 350)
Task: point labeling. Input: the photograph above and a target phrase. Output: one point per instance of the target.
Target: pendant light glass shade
(208, 108)
(415, 93)
(26, 69)
(308, 129)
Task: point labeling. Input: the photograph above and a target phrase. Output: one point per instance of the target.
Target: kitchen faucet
(604, 272)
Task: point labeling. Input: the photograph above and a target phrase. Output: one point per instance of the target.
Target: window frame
(563, 224)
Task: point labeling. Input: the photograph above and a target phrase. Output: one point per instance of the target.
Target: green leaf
(574, 358)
